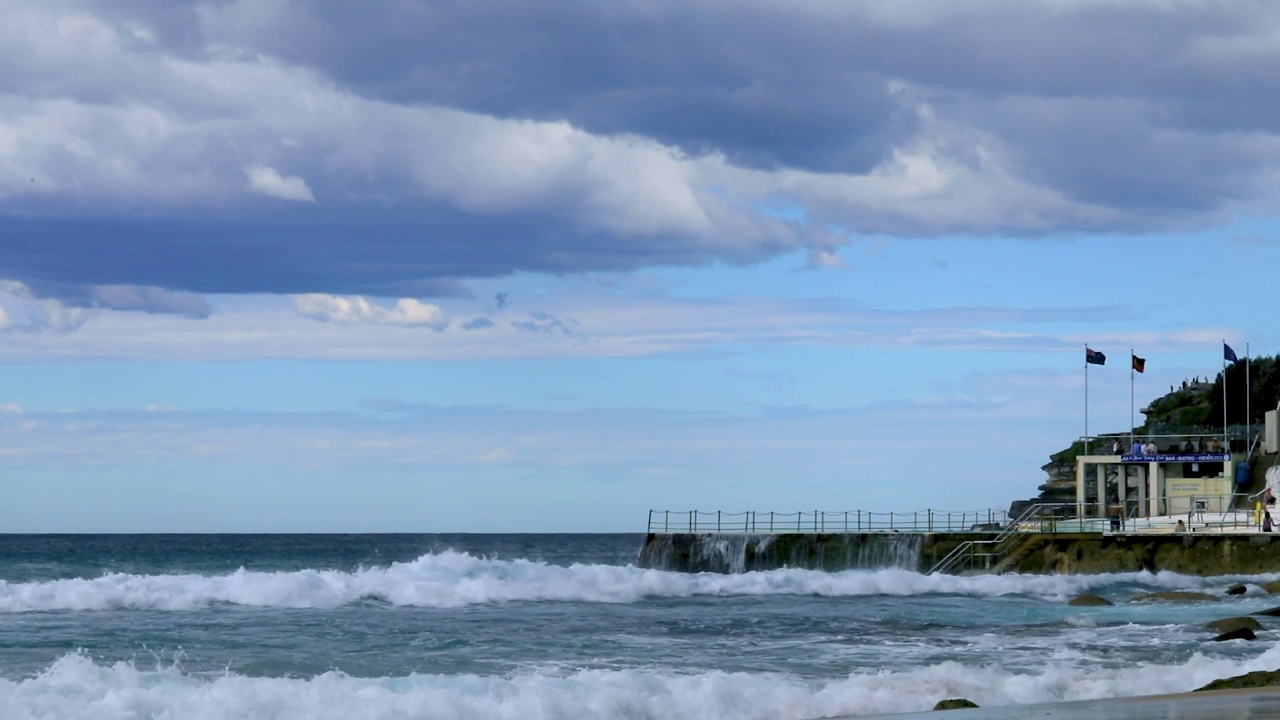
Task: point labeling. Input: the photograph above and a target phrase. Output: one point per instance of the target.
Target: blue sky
(273, 266)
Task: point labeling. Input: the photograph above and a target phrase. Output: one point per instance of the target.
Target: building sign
(1187, 487)
(1177, 457)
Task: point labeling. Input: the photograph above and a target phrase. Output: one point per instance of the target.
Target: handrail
(1038, 519)
(1001, 544)
(818, 521)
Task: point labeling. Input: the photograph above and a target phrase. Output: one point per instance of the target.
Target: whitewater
(565, 626)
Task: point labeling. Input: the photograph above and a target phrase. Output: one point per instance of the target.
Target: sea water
(564, 626)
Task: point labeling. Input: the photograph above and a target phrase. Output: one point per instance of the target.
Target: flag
(1093, 357)
(1139, 364)
(1228, 354)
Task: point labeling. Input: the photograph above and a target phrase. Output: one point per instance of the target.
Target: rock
(1237, 590)
(1226, 625)
(1177, 596)
(1089, 600)
(1273, 612)
(956, 704)
(1257, 679)
(1272, 587)
(1243, 633)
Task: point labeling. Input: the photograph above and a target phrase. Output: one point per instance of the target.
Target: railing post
(650, 522)
(770, 521)
(930, 511)
(717, 521)
(846, 522)
(693, 521)
(859, 521)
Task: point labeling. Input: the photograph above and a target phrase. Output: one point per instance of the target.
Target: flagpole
(1130, 399)
(1248, 390)
(1086, 398)
(1224, 394)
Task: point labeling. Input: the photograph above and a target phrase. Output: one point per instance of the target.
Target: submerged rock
(1273, 612)
(1177, 596)
(955, 704)
(1272, 587)
(1226, 625)
(1089, 600)
(1256, 679)
(1237, 590)
(1243, 633)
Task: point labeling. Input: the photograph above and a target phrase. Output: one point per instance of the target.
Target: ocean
(364, 627)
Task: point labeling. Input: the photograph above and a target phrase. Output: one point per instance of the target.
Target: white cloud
(356, 310)
(825, 259)
(266, 181)
(11, 409)
(27, 314)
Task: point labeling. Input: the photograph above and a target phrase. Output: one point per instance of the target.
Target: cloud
(153, 300)
(824, 259)
(126, 128)
(541, 321)
(11, 409)
(406, 312)
(477, 324)
(266, 181)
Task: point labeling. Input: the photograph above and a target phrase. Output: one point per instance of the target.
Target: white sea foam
(77, 687)
(452, 579)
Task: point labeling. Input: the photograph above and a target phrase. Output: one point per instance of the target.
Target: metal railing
(818, 521)
(1195, 514)
(1198, 442)
(1039, 518)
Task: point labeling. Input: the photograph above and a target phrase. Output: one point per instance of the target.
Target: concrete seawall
(1191, 554)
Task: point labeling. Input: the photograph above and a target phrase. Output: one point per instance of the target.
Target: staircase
(1011, 559)
(1005, 549)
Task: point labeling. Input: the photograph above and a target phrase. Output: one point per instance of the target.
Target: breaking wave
(76, 686)
(452, 579)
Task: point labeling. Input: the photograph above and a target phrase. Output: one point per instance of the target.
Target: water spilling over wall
(1248, 553)
(744, 552)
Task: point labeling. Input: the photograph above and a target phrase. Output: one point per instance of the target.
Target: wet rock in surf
(1089, 600)
(1226, 625)
(1243, 633)
(1272, 587)
(1177, 596)
(955, 704)
(1237, 590)
(1273, 612)
(1256, 679)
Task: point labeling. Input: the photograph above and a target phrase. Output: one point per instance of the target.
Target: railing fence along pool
(1201, 512)
(818, 521)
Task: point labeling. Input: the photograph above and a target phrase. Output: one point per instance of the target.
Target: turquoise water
(562, 626)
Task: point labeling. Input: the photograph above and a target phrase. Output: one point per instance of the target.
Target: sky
(480, 266)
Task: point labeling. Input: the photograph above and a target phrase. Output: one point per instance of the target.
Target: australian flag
(1093, 357)
(1228, 354)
